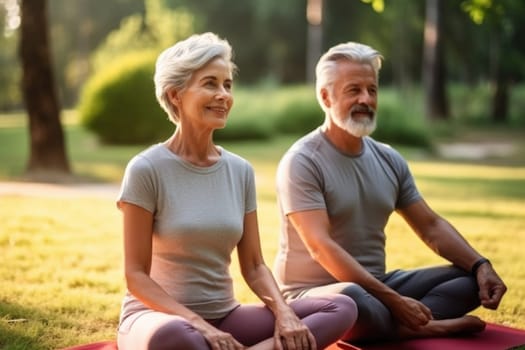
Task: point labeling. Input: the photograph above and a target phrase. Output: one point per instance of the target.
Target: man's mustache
(362, 109)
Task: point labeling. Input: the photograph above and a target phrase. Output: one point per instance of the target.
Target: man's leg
(448, 291)
(374, 321)
(435, 287)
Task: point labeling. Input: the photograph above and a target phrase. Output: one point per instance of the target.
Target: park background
(77, 102)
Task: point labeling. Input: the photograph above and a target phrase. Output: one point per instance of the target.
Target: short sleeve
(138, 184)
(250, 190)
(299, 184)
(408, 192)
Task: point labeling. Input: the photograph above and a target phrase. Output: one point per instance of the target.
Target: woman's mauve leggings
(328, 317)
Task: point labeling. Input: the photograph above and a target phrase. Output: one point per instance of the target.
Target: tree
(434, 76)
(47, 149)
(314, 16)
(504, 20)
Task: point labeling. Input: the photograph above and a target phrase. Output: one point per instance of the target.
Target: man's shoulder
(381, 147)
(307, 144)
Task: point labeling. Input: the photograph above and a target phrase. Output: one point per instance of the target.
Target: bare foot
(441, 328)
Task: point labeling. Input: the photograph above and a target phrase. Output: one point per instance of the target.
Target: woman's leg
(159, 331)
(328, 318)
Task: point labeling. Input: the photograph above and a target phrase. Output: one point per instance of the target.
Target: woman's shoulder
(148, 157)
(235, 158)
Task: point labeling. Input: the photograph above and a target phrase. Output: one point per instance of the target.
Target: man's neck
(342, 139)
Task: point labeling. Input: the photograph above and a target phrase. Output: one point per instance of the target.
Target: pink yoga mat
(103, 345)
(494, 337)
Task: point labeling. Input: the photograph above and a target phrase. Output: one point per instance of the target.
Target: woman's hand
(291, 333)
(217, 339)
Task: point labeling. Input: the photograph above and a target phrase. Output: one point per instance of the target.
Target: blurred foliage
(270, 38)
(158, 29)
(10, 94)
(118, 103)
(119, 106)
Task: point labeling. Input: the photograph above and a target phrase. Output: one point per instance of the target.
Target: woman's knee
(177, 334)
(346, 309)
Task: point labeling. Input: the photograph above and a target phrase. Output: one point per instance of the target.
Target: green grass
(61, 268)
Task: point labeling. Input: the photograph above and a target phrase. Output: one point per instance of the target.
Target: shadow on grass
(23, 328)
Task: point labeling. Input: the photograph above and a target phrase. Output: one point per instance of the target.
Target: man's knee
(374, 319)
(453, 298)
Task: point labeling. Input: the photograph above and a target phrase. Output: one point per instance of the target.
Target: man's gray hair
(350, 51)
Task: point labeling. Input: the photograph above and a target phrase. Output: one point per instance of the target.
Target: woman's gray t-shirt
(198, 217)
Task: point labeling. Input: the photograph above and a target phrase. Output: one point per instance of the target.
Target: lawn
(62, 256)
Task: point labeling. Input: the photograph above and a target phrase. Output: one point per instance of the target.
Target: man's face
(352, 99)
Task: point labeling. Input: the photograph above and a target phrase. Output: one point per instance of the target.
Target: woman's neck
(197, 149)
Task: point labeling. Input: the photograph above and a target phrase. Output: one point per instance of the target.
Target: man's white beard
(359, 127)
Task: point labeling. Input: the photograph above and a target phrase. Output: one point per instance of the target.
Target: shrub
(249, 118)
(118, 103)
(299, 111)
(399, 125)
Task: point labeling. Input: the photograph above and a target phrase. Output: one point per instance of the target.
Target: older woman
(187, 203)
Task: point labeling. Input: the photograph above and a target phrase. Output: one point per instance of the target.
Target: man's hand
(411, 313)
(491, 287)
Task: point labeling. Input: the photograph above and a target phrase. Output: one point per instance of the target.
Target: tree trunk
(500, 102)
(314, 43)
(499, 80)
(47, 149)
(434, 69)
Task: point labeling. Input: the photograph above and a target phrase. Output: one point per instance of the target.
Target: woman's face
(207, 99)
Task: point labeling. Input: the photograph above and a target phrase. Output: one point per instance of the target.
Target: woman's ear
(173, 96)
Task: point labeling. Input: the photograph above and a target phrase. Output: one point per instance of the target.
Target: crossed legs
(447, 290)
(329, 318)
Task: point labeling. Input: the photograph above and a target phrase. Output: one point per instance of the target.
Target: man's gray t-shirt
(359, 194)
(198, 217)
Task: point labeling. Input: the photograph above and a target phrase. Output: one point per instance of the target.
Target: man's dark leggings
(448, 291)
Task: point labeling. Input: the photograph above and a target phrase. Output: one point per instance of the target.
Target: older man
(337, 188)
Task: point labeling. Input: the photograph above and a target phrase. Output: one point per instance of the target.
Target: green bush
(248, 119)
(299, 111)
(399, 125)
(118, 103)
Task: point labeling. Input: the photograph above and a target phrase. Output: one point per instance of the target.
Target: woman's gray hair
(176, 65)
(355, 52)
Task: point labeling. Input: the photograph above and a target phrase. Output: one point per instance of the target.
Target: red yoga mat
(494, 337)
(103, 345)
